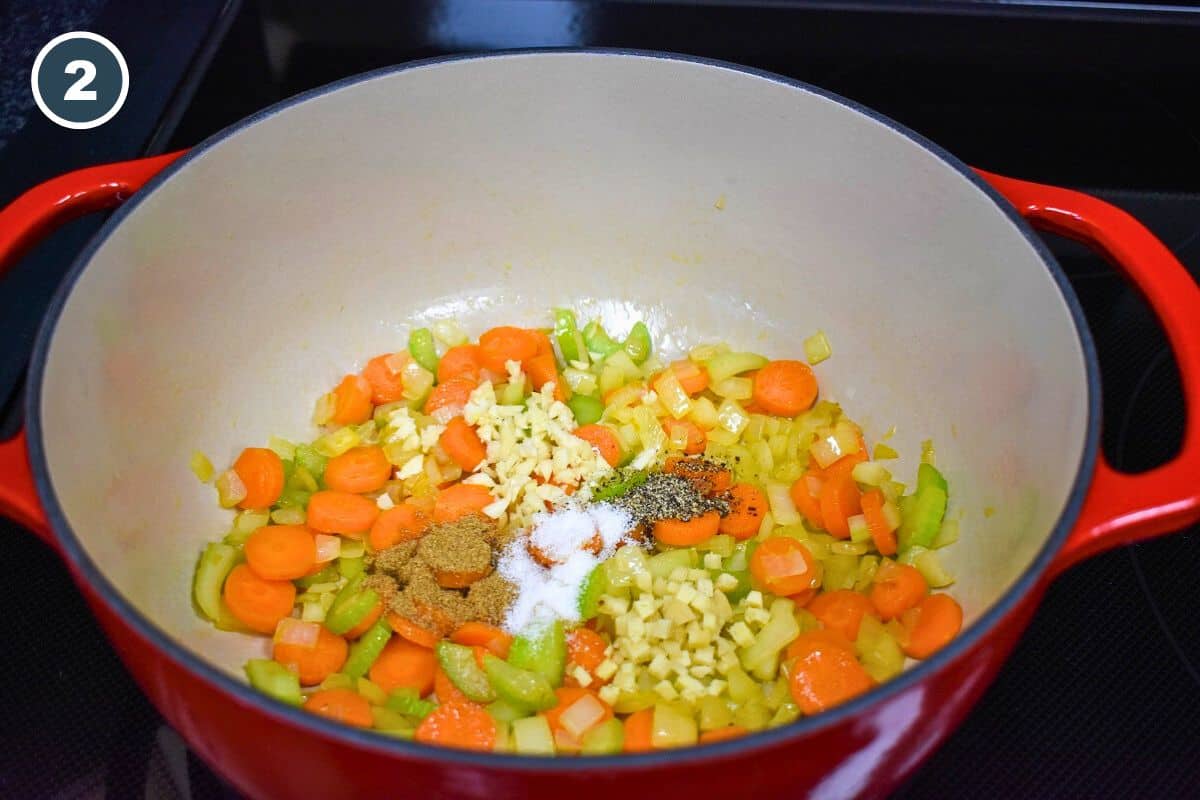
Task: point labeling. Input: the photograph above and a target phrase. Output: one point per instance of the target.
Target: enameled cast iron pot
(251, 273)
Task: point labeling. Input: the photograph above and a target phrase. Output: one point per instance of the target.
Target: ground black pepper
(666, 496)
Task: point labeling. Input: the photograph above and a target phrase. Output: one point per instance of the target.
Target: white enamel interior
(492, 189)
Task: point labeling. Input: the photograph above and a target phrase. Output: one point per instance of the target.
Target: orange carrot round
(462, 725)
(722, 734)
(707, 476)
(839, 499)
(386, 386)
(452, 395)
(785, 388)
(681, 533)
(506, 343)
(256, 602)
(805, 498)
(359, 470)
(841, 610)
(397, 524)
(461, 361)
(747, 505)
(822, 676)
(480, 634)
(341, 512)
(603, 439)
(697, 439)
(543, 369)
(341, 705)
(816, 639)
(586, 648)
(931, 624)
(281, 552)
(461, 500)
(412, 631)
(462, 443)
(313, 664)
(639, 728)
(352, 401)
(692, 377)
(366, 622)
(897, 588)
(261, 470)
(445, 689)
(784, 566)
(882, 532)
(403, 663)
(459, 578)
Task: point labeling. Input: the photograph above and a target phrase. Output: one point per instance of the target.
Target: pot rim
(87, 570)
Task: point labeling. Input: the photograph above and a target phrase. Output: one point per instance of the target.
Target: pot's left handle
(23, 223)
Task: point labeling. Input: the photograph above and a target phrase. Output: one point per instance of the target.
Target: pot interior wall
(715, 204)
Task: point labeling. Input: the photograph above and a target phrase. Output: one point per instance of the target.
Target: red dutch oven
(241, 279)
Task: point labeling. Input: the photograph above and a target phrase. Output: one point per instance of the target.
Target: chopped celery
(337, 442)
(625, 565)
(624, 483)
(752, 715)
(722, 544)
(743, 585)
(352, 548)
(776, 634)
(787, 713)
(928, 475)
(512, 393)
(282, 447)
(879, 653)
(672, 727)
(339, 680)
(866, 572)
(502, 711)
(405, 700)
(247, 522)
(351, 606)
(503, 736)
(368, 647)
(372, 691)
(275, 680)
(776, 693)
(542, 649)
(612, 378)
(739, 560)
(587, 409)
(632, 702)
(521, 688)
(928, 454)
(216, 562)
(637, 344)
(328, 574)
(564, 334)
(621, 360)
(449, 332)
(768, 669)
(599, 344)
(947, 535)
(714, 713)
(726, 365)
(840, 570)
(458, 662)
(663, 564)
(201, 466)
(922, 519)
(884, 452)
(870, 473)
(742, 687)
(532, 737)
(928, 564)
(607, 738)
(595, 586)
(308, 457)
(421, 348)
(389, 721)
(289, 516)
(817, 347)
(350, 567)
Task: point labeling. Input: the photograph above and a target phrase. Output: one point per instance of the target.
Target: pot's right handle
(1121, 508)
(23, 223)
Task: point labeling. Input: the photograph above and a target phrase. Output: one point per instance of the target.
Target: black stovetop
(1101, 697)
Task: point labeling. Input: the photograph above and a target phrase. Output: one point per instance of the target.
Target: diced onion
(230, 489)
(417, 380)
(289, 516)
(783, 510)
(859, 530)
(735, 388)
(580, 381)
(201, 466)
(704, 413)
(704, 352)
(449, 332)
(582, 715)
(323, 412)
(732, 417)
(825, 450)
(328, 547)
(298, 632)
(870, 473)
(339, 441)
(817, 347)
(672, 395)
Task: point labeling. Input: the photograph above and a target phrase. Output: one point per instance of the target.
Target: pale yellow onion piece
(580, 381)
(337, 442)
(672, 728)
(703, 413)
(230, 489)
(298, 632)
(672, 395)
(289, 516)
(582, 715)
(826, 449)
(282, 448)
(763, 456)
(449, 332)
(817, 348)
(870, 473)
(324, 410)
(734, 388)
(246, 522)
(328, 547)
(732, 417)
(705, 352)
(783, 510)
(201, 466)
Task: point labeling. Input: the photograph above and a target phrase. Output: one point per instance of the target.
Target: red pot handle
(23, 223)
(1121, 508)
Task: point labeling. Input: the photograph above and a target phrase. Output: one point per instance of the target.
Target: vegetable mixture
(553, 542)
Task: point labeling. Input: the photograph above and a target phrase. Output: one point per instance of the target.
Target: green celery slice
(521, 688)
(542, 649)
(458, 662)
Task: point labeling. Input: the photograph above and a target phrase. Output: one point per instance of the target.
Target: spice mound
(664, 495)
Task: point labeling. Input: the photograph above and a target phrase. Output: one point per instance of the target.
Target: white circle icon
(79, 80)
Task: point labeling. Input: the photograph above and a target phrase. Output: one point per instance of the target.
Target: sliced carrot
(697, 439)
(543, 369)
(460, 500)
(692, 377)
(897, 588)
(816, 639)
(412, 631)
(450, 396)
(931, 624)
(460, 361)
(313, 664)
(403, 663)
(366, 622)
(359, 470)
(839, 500)
(586, 648)
(639, 728)
(460, 578)
(397, 524)
(445, 689)
(341, 512)
(784, 566)
(841, 610)
(387, 386)
(568, 696)
(603, 439)
(462, 443)
(464, 725)
(785, 388)
(723, 734)
(506, 343)
(341, 705)
(544, 345)
(747, 505)
(823, 676)
(804, 494)
(352, 401)
(256, 602)
(281, 552)
(707, 476)
(480, 634)
(882, 532)
(261, 470)
(681, 533)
